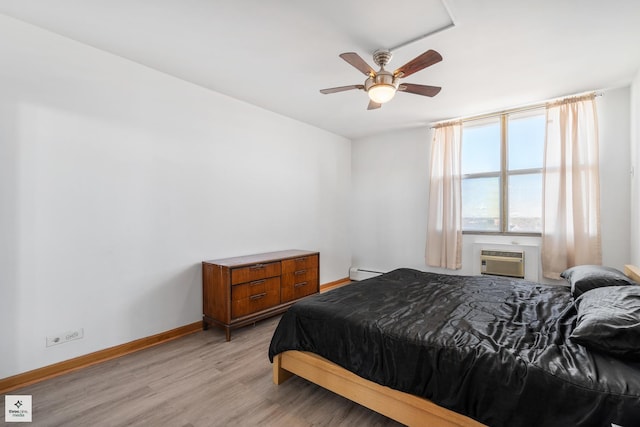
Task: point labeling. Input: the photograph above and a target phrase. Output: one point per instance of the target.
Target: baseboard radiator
(502, 263)
(362, 273)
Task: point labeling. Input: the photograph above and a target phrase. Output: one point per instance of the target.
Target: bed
(446, 350)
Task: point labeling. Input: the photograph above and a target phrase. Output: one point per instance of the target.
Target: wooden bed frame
(632, 272)
(402, 407)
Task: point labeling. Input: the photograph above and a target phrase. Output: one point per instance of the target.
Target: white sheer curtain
(444, 224)
(571, 196)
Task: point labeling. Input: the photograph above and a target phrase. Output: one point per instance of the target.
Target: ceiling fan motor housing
(383, 77)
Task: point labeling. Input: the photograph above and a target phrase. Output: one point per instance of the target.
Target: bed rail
(403, 407)
(632, 272)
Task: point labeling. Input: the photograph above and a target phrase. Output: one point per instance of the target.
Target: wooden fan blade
(425, 60)
(419, 89)
(373, 105)
(340, 89)
(356, 61)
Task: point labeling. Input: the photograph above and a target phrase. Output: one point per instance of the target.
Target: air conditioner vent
(502, 263)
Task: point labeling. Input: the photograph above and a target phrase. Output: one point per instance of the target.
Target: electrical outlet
(65, 337)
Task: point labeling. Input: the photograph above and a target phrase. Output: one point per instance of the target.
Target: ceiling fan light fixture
(381, 93)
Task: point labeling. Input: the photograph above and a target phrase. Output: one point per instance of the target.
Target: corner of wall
(635, 172)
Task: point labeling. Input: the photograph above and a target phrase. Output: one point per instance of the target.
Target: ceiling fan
(382, 85)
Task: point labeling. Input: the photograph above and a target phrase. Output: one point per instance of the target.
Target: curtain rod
(512, 110)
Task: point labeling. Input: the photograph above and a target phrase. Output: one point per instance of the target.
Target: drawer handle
(257, 282)
(257, 267)
(298, 285)
(258, 296)
(304, 258)
(299, 272)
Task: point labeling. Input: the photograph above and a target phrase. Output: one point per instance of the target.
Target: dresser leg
(228, 332)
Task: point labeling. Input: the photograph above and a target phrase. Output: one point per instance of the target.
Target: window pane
(481, 204)
(525, 203)
(481, 148)
(526, 141)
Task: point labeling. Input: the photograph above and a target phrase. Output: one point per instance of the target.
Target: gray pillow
(609, 321)
(586, 277)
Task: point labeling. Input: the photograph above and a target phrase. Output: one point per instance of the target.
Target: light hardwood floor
(197, 380)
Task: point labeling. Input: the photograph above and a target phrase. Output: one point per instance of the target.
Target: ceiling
(278, 54)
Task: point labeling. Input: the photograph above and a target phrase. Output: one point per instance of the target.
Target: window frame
(503, 175)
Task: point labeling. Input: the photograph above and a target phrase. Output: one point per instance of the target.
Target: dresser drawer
(299, 284)
(255, 272)
(301, 263)
(254, 296)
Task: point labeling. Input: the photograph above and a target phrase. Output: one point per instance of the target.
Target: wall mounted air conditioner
(502, 263)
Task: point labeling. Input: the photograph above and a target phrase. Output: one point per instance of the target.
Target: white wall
(390, 175)
(635, 163)
(116, 181)
(389, 202)
(615, 183)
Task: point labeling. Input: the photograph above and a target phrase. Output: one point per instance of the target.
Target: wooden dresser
(241, 290)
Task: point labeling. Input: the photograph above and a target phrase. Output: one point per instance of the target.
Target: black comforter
(494, 349)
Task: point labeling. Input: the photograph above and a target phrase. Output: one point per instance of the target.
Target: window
(502, 159)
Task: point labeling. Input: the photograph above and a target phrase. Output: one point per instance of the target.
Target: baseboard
(335, 284)
(66, 366)
(50, 371)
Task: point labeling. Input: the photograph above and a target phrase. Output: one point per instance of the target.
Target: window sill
(499, 233)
